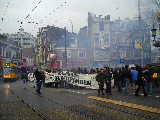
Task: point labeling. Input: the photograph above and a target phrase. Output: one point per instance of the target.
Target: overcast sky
(60, 14)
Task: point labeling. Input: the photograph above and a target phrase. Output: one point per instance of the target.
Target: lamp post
(46, 47)
(154, 34)
(65, 37)
(154, 30)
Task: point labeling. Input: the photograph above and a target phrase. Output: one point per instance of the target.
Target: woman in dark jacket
(140, 82)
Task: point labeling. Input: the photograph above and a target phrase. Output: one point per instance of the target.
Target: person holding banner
(100, 79)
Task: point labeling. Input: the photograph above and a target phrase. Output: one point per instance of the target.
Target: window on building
(123, 54)
(26, 44)
(82, 54)
(69, 54)
(101, 26)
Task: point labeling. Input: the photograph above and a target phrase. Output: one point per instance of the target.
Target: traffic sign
(122, 60)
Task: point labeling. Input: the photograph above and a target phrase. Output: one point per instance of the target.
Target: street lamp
(154, 30)
(65, 35)
(154, 34)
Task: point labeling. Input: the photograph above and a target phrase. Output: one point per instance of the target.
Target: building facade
(25, 40)
(99, 32)
(9, 50)
(56, 47)
(111, 43)
(151, 15)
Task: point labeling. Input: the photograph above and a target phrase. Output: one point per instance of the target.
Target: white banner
(81, 80)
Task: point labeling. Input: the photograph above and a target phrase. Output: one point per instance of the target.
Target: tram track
(117, 108)
(78, 109)
(34, 108)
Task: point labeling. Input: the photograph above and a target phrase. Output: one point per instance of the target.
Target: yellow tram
(9, 72)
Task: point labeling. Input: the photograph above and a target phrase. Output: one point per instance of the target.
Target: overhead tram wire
(61, 5)
(157, 3)
(5, 10)
(28, 17)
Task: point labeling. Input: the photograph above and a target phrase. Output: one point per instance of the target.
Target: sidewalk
(150, 101)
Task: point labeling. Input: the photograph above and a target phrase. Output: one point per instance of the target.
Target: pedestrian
(148, 80)
(57, 81)
(134, 77)
(140, 82)
(39, 79)
(120, 82)
(126, 78)
(117, 79)
(107, 79)
(43, 74)
(100, 79)
(24, 76)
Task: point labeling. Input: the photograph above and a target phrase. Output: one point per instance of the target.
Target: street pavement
(72, 104)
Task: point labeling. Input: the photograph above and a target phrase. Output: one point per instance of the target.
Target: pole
(71, 61)
(140, 30)
(21, 54)
(142, 54)
(72, 26)
(139, 11)
(65, 36)
(46, 49)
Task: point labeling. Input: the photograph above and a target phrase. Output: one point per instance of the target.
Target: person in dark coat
(140, 82)
(43, 78)
(24, 76)
(117, 79)
(100, 79)
(108, 77)
(121, 81)
(39, 80)
(148, 80)
(125, 78)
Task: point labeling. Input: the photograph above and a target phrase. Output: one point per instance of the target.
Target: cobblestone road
(17, 103)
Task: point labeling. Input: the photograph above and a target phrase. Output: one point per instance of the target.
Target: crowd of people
(125, 78)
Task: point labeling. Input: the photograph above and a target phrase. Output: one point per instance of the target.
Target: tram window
(7, 70)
